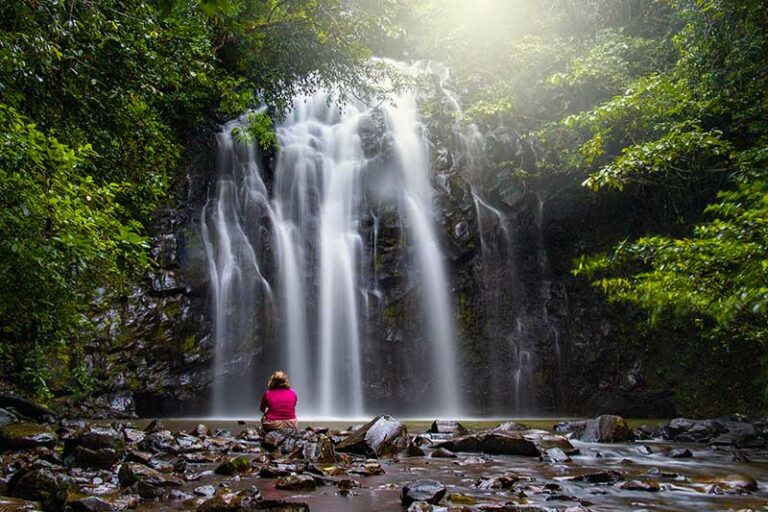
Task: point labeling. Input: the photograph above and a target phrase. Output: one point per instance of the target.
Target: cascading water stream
(313, 229)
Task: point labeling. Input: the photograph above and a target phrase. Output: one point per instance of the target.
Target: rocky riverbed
(600, 465)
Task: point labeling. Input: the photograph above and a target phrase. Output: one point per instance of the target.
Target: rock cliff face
(533, 339)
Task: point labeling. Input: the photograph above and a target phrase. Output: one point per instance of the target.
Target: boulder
(679, 453)
(384, 436)
(606, 429)
(21, 436)
(640, 485)
(503, 481)
(42, 485)
(557, 455)
(442, 453)
(149, 482)
(447, 427)
(96, 447)
(430, 491)
(8, 504)
(733, 484)
(296, 482)
(688, 430)
(26, 407)
(510, 426)
(7, 417)
(511, 443)
(92, 504)
(233, 466)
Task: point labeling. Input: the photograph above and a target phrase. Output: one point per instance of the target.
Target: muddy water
(684, 482)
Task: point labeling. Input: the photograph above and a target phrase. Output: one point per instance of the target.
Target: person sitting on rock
(279, 404)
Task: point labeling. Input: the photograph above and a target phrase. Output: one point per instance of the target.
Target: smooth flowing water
(310, 232)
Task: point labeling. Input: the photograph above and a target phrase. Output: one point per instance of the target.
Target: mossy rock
(41, 485)
(233, 466)
(21, 436)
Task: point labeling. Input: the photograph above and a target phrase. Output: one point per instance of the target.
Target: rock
(7, 417)
(96, 447)
(21, 436)
(296, 483)
(598, 477)
(566, 427)
(92, 504)
(733, 484)
(640, 485)
(606, 429)
(149, 483)
(8, 504)
(510, 426)
(233, 466)
(280, 506)
(679, 453)
(557, 455)
(423, 506)
(275, 470)
(504, 481)
(442, 453)
(205, 490)
(512, 443)
(644, 449)
(204, 431)
(447, 427)
(133, 436)
(384, 436)
(687, 430)
(430, 491)
(42, 485)
(159, 441)
(103, 458)
(368, 469)
(544, 441)
(26, 407)
(225, 502)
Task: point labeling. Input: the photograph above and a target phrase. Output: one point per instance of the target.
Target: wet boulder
(149, 483)
(557, 455)
(510, 426)
(27, 408)
(41, 485)
(159, 441)
(430, 491)
(93, 504)
(233, 466)
(296, 482)
(21, 436)
(733, 484)
(384, 436)
(302, 444)
(447, 427)
(511, 443)
(442, 453)
(7, 417)
(8, 504)
(503, 481)
(96, 447)
(605, 429)
(640, 485)
(688, 430)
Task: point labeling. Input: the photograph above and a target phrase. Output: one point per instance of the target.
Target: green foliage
(260, 128)
(98, 101)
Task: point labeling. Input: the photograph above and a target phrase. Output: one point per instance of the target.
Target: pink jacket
(279, 404)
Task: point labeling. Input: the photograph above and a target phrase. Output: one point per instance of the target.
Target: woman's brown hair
(278, 380)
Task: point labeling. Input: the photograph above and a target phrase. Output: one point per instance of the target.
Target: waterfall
(310, 232)
(238, 287)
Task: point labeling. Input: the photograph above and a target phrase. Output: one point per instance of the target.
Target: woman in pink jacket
(279, 404)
